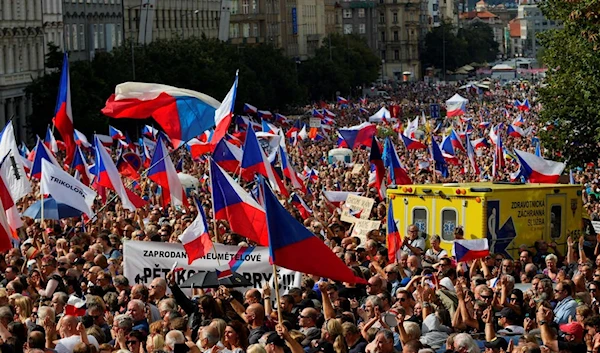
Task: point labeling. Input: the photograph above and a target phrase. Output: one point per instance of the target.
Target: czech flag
(195, 238)
(480, 143)
(294, 247)
(328, 113)
(162, 172)
(289, 172)
(440, 162)
(183, 114)
(75, 306)
(522, 106)
(537, 169)
(359, 135)
(269, 128)
(467, 250)
(342, 100)
(115, 133)
(282, 119)
(515, 131)
(228, 156)
(472, 157)
(265, 114)
(108, 176)
(40, 153)
(317, 114)
(233, 204)
(519, 121)
(301, 206)
(376, 160)
(50, 141)
(456, 142)
(446, 146)
(394, 243)
(484, 124)
(149, 131)
(63, 115)
(411, 144)
(254, 161)
(224, 273)
(397, 173)
(104, 140)
(79, 164)
(456, 108)
(250, 109)
(126, 169)
(337, 197)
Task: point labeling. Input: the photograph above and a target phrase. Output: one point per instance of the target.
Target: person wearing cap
(496, 345)
(507, 319)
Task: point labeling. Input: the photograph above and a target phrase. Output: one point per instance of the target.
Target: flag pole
(42, 202)
(276, 280)
(214, 220)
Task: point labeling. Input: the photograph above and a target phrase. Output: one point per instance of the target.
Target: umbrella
(209, 280)
(52, 210)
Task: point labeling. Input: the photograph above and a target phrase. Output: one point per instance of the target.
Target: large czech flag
(537, 169)
(467, 250)
(63, 116)
(183, 114)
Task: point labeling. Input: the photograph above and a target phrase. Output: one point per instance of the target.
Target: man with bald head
(255, 317)
(308, 325)
(252, 296)
(68, 330)
(141, 292)
(158, 290)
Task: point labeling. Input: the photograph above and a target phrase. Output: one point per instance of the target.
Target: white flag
(14, 173)
(66, 189)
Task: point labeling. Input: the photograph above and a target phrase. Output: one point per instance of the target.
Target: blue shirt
(564, 309)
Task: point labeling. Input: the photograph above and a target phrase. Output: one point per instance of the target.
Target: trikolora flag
(66, 189)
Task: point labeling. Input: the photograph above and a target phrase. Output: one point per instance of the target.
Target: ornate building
(22, 50)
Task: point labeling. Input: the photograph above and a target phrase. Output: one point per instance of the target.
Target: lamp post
(382, 70)
(131, 36)
(184, 17)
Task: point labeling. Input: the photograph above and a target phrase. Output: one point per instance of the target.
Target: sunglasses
(486, 297)
(402, 299)
(132, 342)
(593, 289)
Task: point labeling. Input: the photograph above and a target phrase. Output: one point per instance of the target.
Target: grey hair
(173, 337)
(124, 321)
(375, 301)
(387, 334)
(46, 311)
(62, 297)
(212, 339)
(464, 340)
(412, 330)
(140, 304)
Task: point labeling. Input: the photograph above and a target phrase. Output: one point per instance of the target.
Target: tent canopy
(456, 99)
(378, 117)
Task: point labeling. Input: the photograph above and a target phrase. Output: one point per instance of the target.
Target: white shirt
(66, 345)
(417, 243)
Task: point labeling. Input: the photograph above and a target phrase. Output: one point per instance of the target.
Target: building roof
(514, 27)
(483, 15)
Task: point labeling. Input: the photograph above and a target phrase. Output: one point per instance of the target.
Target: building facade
(148, 20)
(532, 22)
(303, 27)
(255, 21)
(360, 17)
(91, 26)
(22, 49)
(398, 35)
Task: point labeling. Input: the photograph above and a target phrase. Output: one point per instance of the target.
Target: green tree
(342, 64)
(481, 46)
(572, 82)
(440, 39)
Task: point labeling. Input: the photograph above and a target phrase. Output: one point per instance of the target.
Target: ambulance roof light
(427, 191)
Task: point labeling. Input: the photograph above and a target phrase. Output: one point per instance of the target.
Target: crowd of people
(545, 301)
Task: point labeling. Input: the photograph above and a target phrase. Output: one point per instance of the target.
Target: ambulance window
(420, 219)
(448, 224)
(555, 221)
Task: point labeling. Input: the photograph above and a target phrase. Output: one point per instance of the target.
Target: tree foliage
(472, 43)
(343, 63)
(572, 83)
(268, 79)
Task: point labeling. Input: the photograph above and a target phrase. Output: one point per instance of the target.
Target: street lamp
(382, 70)
(183, 18)
(131, 36)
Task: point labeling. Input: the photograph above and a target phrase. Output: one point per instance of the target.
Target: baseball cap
(507, 313)
(572, 328)
(497, 343)
(322, 346)
(276, 340)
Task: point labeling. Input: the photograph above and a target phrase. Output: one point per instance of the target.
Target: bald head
(252, 296)
(68, 326)
(256, 314)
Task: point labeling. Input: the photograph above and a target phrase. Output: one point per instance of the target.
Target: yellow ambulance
(507, 214)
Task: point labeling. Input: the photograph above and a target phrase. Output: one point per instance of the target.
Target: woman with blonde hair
(220, 325)
(23, 309)
(333, 332)
(155, 342)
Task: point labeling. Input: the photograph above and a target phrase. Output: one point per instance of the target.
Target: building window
(75, 42)
(362, 28)
(383, 55)
(348, 29)
(396, 54)
(95, 29)
(67, 37)
(347, 13)
(101, 41)
(395, 17)
(245, 7)
(119, 35)
(255, 30)
(382, 36)
(81, 37)
(381, 18)
(246, 30)
(254, 6)
(396, 37)
(361, 13)
(233, 30)
(234, 6)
